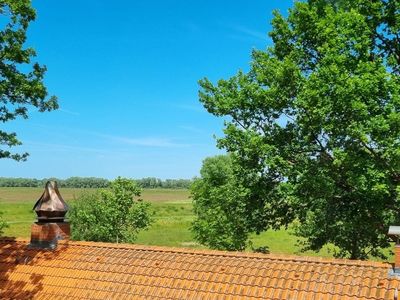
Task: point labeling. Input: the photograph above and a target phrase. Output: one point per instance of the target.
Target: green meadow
(172, 213)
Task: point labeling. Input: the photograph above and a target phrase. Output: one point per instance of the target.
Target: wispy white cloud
(191, 129)
(62, 147)
(69, 112)
(243, 33)
(63, 150)
(196, 108)
(192, 27)
(148, 142)
(250, 32)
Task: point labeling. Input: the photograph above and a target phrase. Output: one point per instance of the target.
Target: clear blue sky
(126, 73)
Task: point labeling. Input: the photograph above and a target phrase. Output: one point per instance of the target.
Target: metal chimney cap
(51, 207)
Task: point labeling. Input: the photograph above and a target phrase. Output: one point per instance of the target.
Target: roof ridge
(217, 253)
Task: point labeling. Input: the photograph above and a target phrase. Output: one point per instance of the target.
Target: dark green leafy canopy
(316, 121)
(18, 89)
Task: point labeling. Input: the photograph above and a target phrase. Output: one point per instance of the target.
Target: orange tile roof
(87, 270)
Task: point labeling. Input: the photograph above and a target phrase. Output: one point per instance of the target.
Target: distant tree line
(94, 182)
(152, 182)
(72, 182)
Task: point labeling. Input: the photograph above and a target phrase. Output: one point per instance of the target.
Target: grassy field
(16, 205)
(172, 213)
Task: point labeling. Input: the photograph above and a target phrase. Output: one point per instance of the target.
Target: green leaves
(221, 218)
(112, 215)
(3, 224)
(314, 125)
(19, 90)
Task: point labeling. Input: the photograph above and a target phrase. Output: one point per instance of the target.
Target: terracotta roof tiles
(87, 270)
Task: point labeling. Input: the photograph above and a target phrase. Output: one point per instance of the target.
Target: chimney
(394, 233)
(51, 225)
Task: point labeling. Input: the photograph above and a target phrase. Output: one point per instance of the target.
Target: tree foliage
(3, 224)
(111, 215)
(19, 89)
(221, 221)
(314, 126)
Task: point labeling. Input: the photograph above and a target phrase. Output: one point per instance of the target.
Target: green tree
(3, 224)
(221, 221)
(19, 90)
(111, 215)
(314, 126)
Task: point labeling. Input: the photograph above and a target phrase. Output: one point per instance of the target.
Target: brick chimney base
(46, 235)
(397, 258)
